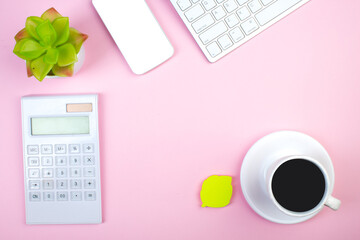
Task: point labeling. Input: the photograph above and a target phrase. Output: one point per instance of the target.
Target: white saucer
(274, 146)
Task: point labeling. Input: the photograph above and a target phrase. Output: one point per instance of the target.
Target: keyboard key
(184, 4)
(213, 49)
(90, 196)
(89, 172)
(208, 4)
(194, 13)
(219, 13)
(46, 149)
(34, 184)
(266, 2)
(61, 184)
(89, 183)
(75, 196)
(62, 196)
(74, 148)
(255, 6)
(48, 196)
(47, 172)
(61, 172)
(75, 160)
(47, 161)
(243, 13)
(34, 196)
(275, 10)
(203, 23)
(75, 172)
(32, 149)
(241, 2)
(34, 173)
(237, 20)
(60, 160)
(230, 6)
(33, 161)
(75, 184)
(213, 32)
(236, 34)
(249, 26)
(48, 184)
(232, 20)
(60, 149)
(225, 42)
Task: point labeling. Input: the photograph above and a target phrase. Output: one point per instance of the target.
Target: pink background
(163, 133)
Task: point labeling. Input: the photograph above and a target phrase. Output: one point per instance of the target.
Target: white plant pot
(78, 64)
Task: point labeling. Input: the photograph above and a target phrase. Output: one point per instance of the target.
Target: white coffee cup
(327, 199)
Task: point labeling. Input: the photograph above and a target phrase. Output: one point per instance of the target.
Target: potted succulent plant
(49, 46)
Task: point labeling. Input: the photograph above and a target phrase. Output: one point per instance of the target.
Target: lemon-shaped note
(216, 191)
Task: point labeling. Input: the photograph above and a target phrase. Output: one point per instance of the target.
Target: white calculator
(61, 159)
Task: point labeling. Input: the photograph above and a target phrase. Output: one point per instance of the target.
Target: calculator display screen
(60, 125)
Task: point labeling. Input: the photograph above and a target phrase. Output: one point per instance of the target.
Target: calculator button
(89, 172)
(47, 161)
(47, 173)
(60, 160)
(34, 196)
(75, 184)
(61, 172)
(48, 196)
(33, 161)
(34, 173)
(34, 184)
(60, 148)
(48, 184)
(32, 149)
(46, 149)
(75, 196)
(88, 148)
(74, 148)
(89, 183)
(75, 160)
(61, 184)
(75, 172)
(90, 196)
(62, 196)
(89, 160)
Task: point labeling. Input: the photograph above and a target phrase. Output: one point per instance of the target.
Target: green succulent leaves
(46, 33)
(31, 24)
(67, 55)
(63, 71)
(28, 49)
(40, 68)
(51, 14)
(48, 44)
(61, 26)
(77, 38)
(51, 56)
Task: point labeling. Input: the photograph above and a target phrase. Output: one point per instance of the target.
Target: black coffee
(298, 185)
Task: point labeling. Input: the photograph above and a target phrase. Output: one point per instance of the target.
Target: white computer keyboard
(220, 26)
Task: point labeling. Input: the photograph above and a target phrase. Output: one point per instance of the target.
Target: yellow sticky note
(216, 191)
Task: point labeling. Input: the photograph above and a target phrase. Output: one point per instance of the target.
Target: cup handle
(333, 203)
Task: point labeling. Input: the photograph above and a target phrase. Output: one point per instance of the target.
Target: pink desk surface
(163, 133)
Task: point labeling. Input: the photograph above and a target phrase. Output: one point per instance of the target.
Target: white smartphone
(136, 32)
